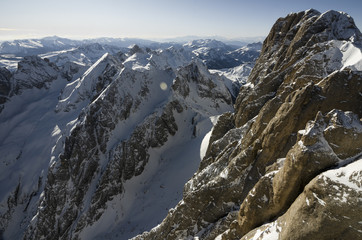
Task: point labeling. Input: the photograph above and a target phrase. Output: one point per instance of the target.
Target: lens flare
(163, 86)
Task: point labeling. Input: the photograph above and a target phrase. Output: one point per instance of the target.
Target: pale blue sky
(154, 18)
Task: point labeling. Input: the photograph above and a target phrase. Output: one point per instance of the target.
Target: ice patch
(56, 131)
(321, 202)
(352, 56)
(206, 139)
(205, 144)
(224, 173)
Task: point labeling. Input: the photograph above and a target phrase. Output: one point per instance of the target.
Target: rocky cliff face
(32, 72)
(319, 204)
(4, 85)
(290, 155)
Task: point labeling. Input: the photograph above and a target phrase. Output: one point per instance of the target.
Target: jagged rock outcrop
(194, 82)
(4, 81)
(33, 72)
(300, 48)
(5, 76)
(328, 208)
(70, 70)
(87, 88)
(265, 161)
(312, 154)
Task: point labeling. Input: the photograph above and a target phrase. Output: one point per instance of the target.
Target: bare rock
(33, 71)
(328, 208)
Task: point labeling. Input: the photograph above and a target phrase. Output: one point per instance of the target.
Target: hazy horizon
(159, 19)
(177, 39)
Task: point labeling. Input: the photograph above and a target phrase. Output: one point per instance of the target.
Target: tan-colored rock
(293, 55)
(329, 207)
(312, 154)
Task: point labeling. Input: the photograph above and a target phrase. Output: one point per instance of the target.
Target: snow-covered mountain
(238, 76)
(86, 150)
(28, 47)
(85, 52)
(62, 49)
(98, 141)
(85, 55)
(218, 55)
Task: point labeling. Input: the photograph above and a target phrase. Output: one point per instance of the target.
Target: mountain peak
(135, 49)
(33, 71)
(210, 43)
(314, 26)
(312, 11)
(297, 34)
(53, 38)
(339, 25)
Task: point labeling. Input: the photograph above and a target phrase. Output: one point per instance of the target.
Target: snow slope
(150, 196)
(28, 132)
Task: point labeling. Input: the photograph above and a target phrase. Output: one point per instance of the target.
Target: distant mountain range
(216, 54)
